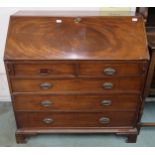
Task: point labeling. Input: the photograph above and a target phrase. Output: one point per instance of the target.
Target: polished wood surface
(86, 119)
(44, 69)
(125, 69)
(101, 38)
(76, 74)
(129, 102)
(80, 68)
(131, 85)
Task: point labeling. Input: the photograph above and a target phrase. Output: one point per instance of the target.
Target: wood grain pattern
(63, 119)
(76, 102)
(101, 38)
(64, 69)
(132, 85)
(52, 69)
(96, 69)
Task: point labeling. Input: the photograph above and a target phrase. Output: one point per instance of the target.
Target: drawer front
(63, 119)
(50, 69)
(112, 69)
(71, 102)
(78, 85)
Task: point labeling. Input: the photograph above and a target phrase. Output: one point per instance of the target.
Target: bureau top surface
(75, 36)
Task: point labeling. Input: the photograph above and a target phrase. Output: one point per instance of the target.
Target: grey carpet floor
(8, 127)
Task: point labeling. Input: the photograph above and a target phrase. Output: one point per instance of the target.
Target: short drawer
(64, 119)
(76, 102)
(44, 69)
(78, 85)
(97, 69)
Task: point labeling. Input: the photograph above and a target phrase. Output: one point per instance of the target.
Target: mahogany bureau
(76, 72)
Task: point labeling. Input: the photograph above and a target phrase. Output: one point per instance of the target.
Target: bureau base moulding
(23, 134)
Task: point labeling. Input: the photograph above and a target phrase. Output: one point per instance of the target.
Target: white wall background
(4, 20)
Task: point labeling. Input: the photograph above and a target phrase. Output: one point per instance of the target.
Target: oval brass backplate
(104, 120)
(48, 120)
(109, 71)
(46, 103)
(106, 102)
(77, 20)
(46, 85)
(107, 85)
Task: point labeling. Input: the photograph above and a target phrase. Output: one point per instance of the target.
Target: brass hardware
(109, 71)
(106, 102)
(48, 120)
(46, 103)
(104, 120)
(107, 85)
(77, 20)
(46, 85)
(45, 72)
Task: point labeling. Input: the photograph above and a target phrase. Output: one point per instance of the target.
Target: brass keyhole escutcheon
(77, 20)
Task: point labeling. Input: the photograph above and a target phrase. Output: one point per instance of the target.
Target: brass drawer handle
(46, 85)
(44, 71)
(106, 102)
(107, 85)
(46, 103)
(77, 20)
(109, 71)
(48, 120)
(104, 120)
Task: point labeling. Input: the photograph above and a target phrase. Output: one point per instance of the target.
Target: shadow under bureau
(76, 72)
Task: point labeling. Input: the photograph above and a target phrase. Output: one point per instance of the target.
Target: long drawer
(78, 85)
(76, 102)
(86, 119)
